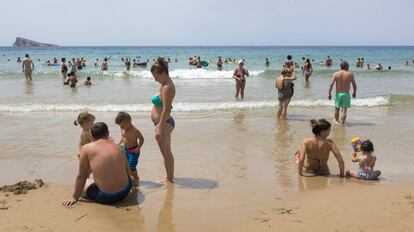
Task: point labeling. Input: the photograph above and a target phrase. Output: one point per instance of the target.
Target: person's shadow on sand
(195, 183)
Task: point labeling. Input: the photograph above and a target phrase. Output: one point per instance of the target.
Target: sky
(208, 22)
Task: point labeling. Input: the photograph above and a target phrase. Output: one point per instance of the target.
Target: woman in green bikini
(160, 114)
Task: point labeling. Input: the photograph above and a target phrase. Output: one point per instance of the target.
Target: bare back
(108, 164)
(317, 153)
(27, 64)
(343, 80)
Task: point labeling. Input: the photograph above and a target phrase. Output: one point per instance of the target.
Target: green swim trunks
(342, 100)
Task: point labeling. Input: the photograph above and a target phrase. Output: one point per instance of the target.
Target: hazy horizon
(209, 23)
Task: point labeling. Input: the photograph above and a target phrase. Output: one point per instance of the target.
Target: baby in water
(366, 163)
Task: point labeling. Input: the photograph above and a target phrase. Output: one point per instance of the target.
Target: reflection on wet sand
(29, 88)
(314, 182)
(165, 217)
(238, 145)
(283, 153)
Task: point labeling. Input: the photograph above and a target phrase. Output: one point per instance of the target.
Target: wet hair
(122, 117)
(99, 130)
(344, 65)
(307, 60)
(83, 117)
(27, 55)
(289, 57)
(160, 66)
(319, 125)
(88, 78)
(367, 146)
(63, 59)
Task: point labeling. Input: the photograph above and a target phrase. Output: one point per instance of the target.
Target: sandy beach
(347, 206)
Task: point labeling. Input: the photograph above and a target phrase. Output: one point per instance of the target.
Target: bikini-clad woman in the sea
(307, 70)
(160, 114)
(314, 152)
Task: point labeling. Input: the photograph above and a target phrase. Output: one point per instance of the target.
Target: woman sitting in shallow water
(314, 152)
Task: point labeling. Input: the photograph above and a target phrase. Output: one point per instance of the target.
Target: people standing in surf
(219, 63)
(73, 67)
(64, 69)
(343, 80)
(267, 62)
(313, 154)
(289, 63)
(27, 67)
(161, 114)
(284, 85)
(127, 64)
(307, 70)
(104, 66)
(329, 61)
(240, 74)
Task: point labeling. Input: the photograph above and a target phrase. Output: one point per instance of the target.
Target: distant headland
(22, 42)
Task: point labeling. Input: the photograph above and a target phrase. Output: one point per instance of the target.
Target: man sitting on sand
(109, 167)
(343, 80)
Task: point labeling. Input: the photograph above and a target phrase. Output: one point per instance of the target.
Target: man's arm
(302, 155)
(333, 80)
(354, 86)
(80, 179)
(339, 158)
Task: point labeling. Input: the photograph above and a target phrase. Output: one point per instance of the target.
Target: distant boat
(22, 42)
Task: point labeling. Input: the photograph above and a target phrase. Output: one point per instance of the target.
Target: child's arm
(140, 141)
(354, 157)
(121, 141)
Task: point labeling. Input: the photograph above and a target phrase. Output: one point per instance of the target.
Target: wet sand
(235, 172)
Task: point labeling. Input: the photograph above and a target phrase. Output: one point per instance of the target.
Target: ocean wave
(181, 74)
(377, 101)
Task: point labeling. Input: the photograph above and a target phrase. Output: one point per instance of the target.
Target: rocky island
(22, 42)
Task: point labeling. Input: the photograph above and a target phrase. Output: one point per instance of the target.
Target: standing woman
(240, 75)
(307, 70)
(160, 114)
(285, 90)
(64, 69)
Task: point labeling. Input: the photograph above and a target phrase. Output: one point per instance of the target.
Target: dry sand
(354, 206)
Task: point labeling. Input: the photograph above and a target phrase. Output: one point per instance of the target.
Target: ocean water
(37, 135)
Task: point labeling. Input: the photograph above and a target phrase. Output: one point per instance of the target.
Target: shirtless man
(109, 167)
(343, 80)
(27, 67)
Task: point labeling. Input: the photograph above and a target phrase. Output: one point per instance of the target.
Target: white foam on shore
(188, 106)
(181, 73)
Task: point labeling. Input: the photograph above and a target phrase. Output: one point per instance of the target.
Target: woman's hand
(158, 132)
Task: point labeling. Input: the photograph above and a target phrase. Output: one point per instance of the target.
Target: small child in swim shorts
(131, 142)
(85, 120)
(366, 163)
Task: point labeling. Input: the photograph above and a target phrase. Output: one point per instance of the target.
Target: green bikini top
(156, 100)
